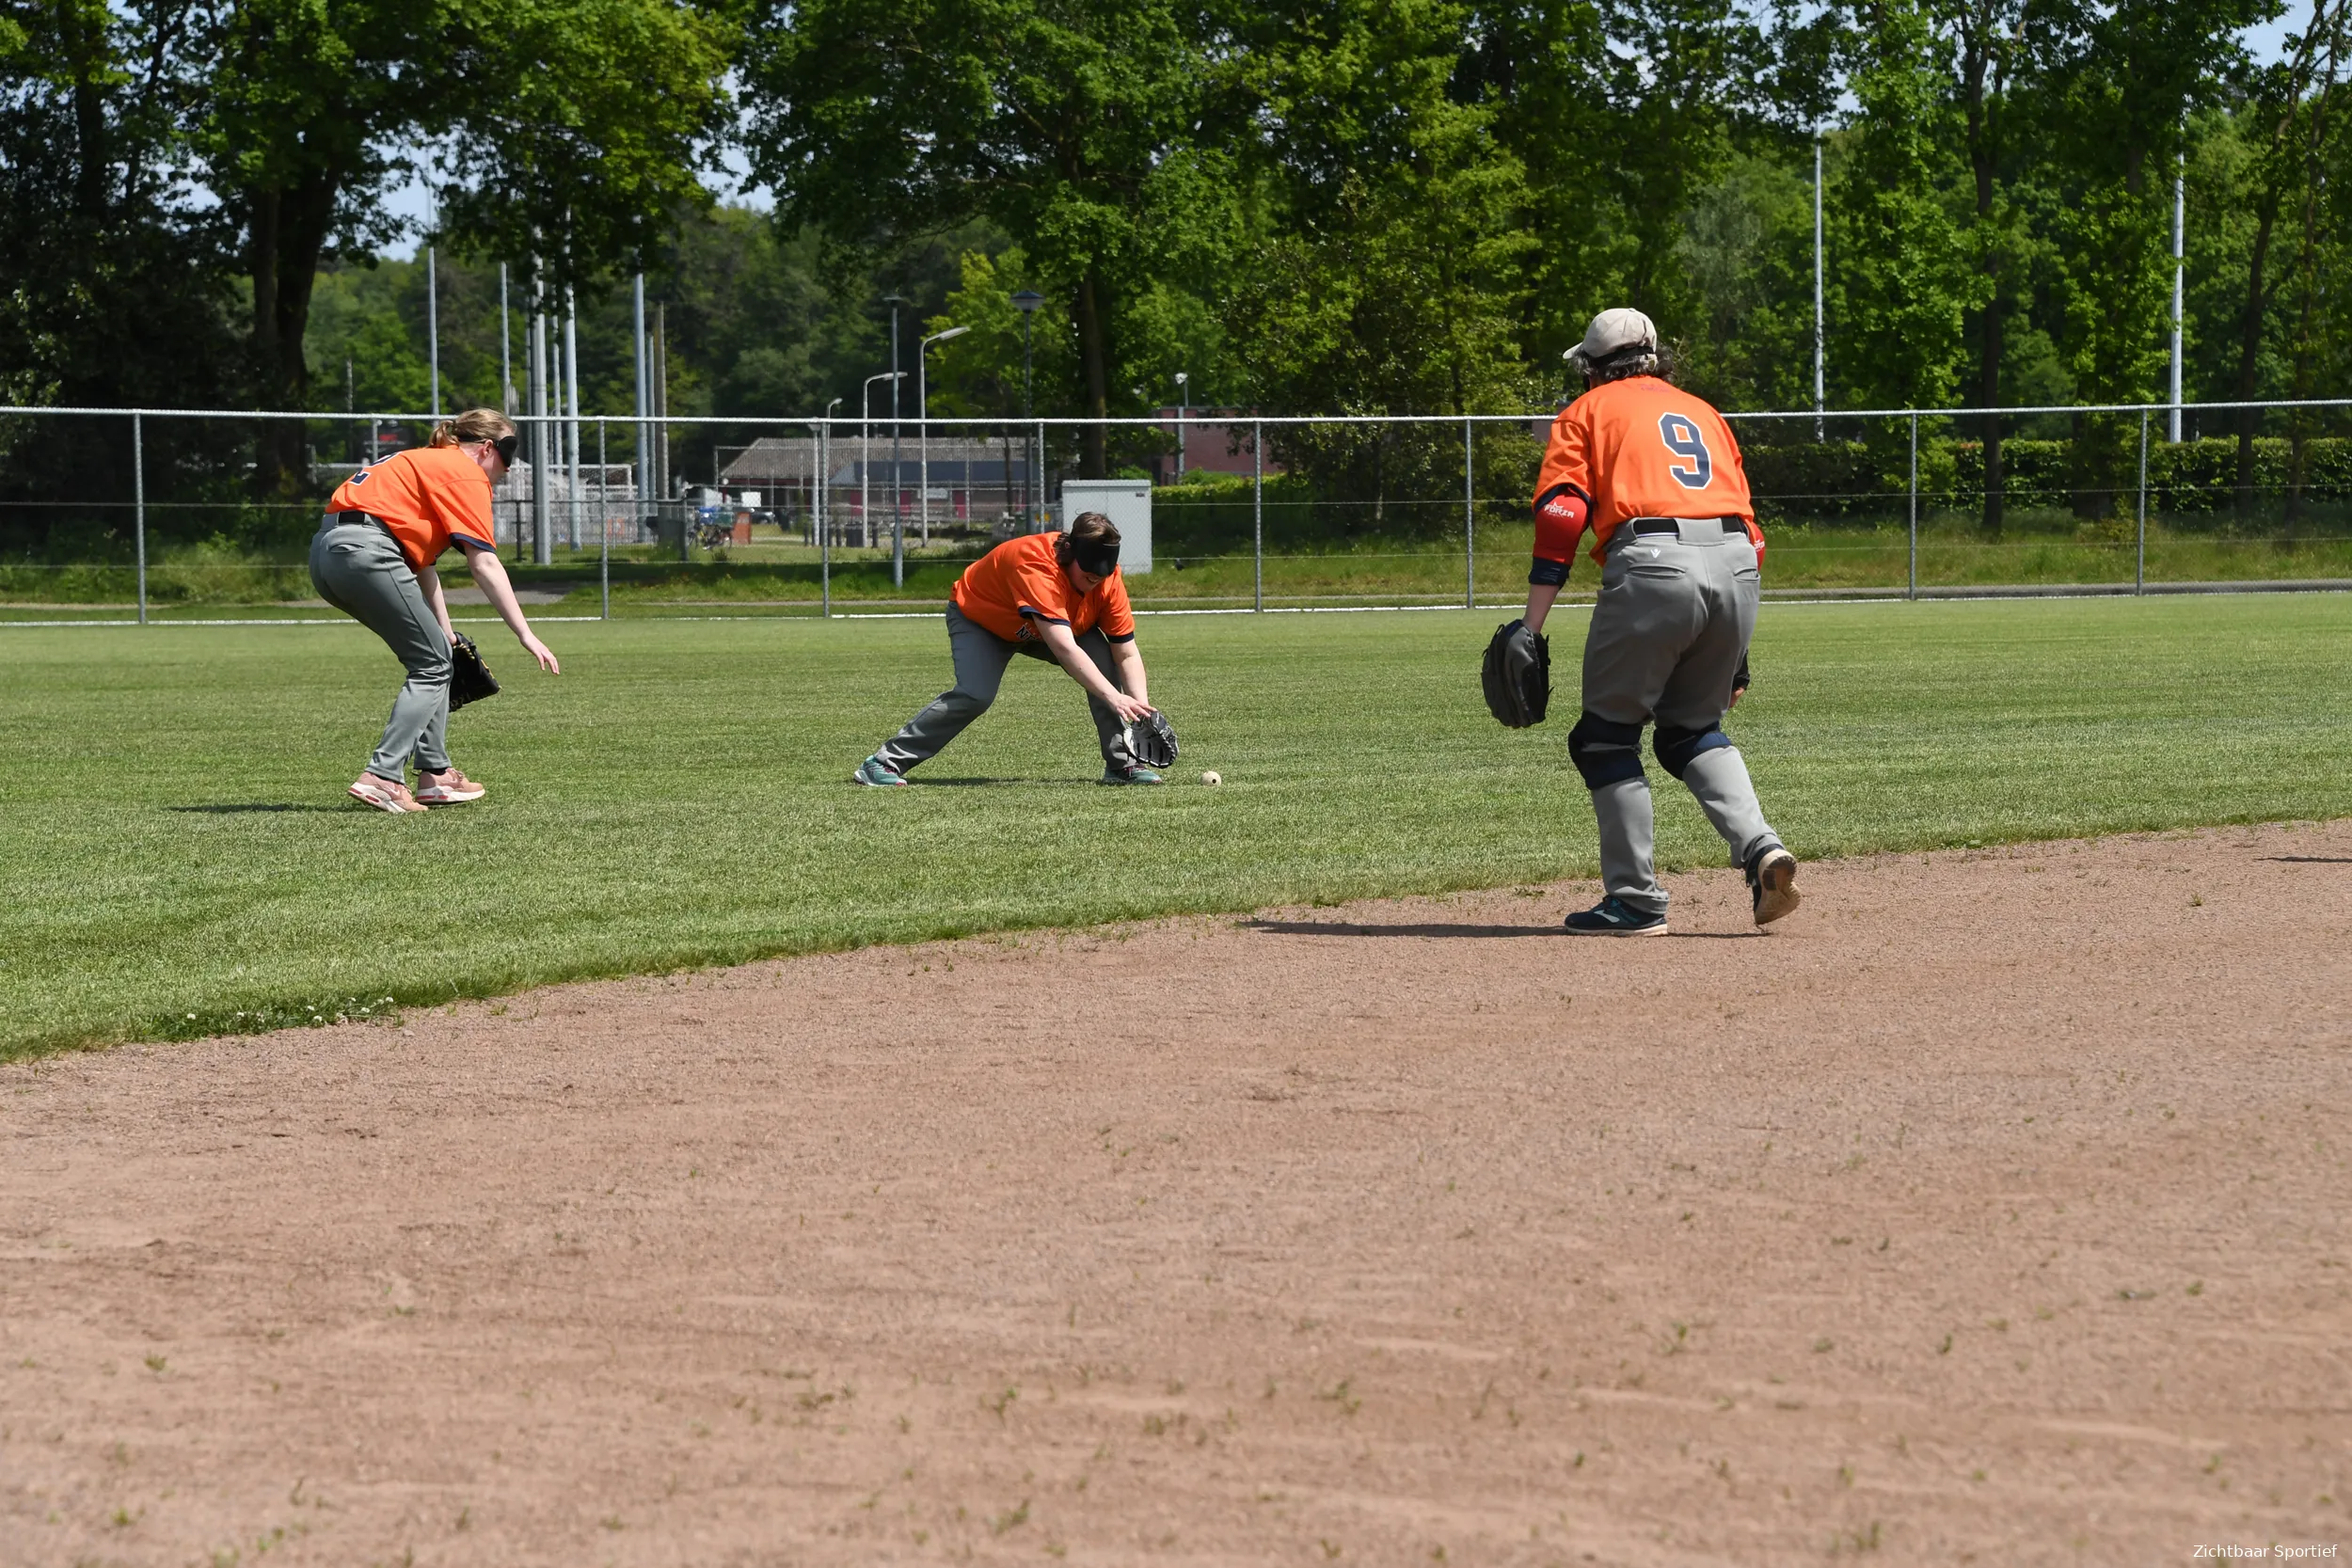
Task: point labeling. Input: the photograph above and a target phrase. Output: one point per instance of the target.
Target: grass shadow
(239, 810)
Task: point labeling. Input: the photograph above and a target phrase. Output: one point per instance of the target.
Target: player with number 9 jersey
(1654, 474)
(1639, 448)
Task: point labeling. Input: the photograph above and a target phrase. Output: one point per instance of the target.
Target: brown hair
(1086, 528)
(475, 425)
(1659, 360)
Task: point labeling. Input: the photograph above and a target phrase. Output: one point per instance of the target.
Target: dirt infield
(1993, 1208)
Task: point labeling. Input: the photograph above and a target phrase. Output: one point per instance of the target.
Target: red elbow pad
(1560, 518)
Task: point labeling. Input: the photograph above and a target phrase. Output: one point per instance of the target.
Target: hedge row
(1832, 479)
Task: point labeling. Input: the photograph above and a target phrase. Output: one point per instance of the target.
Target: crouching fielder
(373, 558)
(1054, 596)
(1655, 475)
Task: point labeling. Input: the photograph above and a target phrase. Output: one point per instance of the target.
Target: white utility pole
(1819, 402)
(506, 348)
(571, 424)
(2180, 274)
(1184, 406)
(542, 431)
(645, 393)
(433, 327)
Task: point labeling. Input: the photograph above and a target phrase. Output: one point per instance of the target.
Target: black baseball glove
(1151, 741)
(1518, 675)
(470, 679)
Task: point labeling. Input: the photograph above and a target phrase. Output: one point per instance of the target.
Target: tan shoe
(450, 788)
(383, 794)
(1773, 885)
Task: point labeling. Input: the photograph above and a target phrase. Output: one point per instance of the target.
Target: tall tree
(2124, 78)
(1069, 124)
(575, 123)
(1905, 275)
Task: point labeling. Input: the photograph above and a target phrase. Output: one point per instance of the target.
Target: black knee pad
(1604, 752)
(1675, 747)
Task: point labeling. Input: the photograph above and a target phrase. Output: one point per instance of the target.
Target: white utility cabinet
(1127, 502)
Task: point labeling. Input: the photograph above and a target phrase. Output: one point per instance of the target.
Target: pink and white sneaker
(383, 794)
(451, 788)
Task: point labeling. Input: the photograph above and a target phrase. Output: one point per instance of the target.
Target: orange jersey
(1020, 582)
(1636, 448)
(426, 496)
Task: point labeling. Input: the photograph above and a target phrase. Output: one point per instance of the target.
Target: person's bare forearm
(1130, 662)
(429, 583)
(1540, 598)
(489, 575)
(1066, 652)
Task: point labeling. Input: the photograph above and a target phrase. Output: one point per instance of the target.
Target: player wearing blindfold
(1055, 596)
(373, 558)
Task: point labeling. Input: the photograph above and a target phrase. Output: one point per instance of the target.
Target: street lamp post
(897, 488)
(923, 421)
(866, 457)
(823, 488)
(1184, 406)
(1027, 302)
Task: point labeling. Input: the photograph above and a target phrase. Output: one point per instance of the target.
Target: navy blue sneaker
(1613, 917)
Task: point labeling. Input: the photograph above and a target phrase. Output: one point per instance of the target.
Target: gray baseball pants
(357, 568)
(1671, 626)
(982, 658)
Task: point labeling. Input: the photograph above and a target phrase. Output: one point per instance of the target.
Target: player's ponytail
(475, 425)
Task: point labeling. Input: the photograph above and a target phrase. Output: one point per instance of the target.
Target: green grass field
(178, 852)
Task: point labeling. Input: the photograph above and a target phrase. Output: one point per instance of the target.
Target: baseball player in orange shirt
(372, 558)
(1654, 474)
(1056, 597)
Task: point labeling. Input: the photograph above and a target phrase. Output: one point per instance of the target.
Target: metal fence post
(1257, 515)
(824, 516)
(1040, 516)
(1911, 590)
(138, 506)
(1469, 524)
(2139, 563)
(604, 525)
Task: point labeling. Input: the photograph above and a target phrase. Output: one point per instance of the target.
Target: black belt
(1674, 525)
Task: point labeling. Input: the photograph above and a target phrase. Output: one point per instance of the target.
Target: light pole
(897, 489)
(866, 456)
(1184, 406)
(923, 421)
(1027, 302)
(824, 506)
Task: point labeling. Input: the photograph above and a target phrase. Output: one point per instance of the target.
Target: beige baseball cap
(1612, 332)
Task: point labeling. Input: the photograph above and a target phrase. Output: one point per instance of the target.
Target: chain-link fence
(116, 515)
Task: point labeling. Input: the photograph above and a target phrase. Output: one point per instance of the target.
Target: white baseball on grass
(1212, 777)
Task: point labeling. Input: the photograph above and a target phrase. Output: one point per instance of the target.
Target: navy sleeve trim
(1564, 489)
(1036, 613)
(1128, 638)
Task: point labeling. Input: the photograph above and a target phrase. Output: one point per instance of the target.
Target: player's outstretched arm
(1129, 658)
(490, 573)
(1064, 647)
